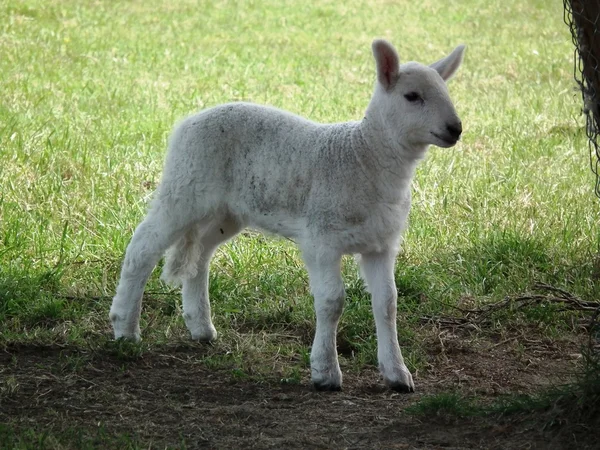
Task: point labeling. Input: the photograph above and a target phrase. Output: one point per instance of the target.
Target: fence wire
(583, 18)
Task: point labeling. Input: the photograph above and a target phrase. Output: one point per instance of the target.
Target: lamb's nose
(455, 130)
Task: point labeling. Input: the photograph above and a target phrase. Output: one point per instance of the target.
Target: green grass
(573, 406)
(91, 90)
(90, 93)
(445, 404)
(69, 438)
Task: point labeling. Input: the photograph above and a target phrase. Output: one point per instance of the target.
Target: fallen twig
(554, 295)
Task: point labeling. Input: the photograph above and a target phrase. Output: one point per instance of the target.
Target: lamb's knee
(385, 301)
(329, 291)
(139, 257)
(329, 301)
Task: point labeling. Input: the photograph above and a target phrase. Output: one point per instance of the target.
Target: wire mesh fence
(583, 18)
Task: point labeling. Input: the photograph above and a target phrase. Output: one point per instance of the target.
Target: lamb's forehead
(420, 74)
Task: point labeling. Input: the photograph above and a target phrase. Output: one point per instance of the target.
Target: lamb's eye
(412, 97)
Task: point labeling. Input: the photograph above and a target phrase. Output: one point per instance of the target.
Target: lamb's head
(411, 107)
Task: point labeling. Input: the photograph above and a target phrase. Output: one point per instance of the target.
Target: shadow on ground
(74, 398)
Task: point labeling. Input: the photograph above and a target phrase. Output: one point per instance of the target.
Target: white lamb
(334, 189)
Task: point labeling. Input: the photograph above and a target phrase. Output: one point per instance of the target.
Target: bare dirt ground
(169, 398)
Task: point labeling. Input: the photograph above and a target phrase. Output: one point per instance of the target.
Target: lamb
(334, 189)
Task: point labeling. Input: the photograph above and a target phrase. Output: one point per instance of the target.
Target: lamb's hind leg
(196, 303)
(150, 240)
(377, 270)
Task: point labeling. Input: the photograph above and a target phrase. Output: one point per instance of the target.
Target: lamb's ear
(388, 64)
(448, 66)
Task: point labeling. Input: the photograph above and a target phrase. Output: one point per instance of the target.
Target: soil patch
(169, 398)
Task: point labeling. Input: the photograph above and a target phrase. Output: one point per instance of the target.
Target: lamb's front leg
(327, 287)
(377, 270)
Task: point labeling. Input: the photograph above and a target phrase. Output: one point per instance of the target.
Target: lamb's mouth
(448, 141)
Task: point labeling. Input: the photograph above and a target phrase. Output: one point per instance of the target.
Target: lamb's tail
(181, 259)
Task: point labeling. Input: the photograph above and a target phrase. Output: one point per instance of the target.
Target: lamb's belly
(279, 224)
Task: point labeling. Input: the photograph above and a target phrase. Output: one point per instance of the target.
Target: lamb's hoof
(329, 378)
(398, 379)
(204, 337)
(123, 329)
(201, 330)
(129, 338)
(133, 337)
(331, 387)
(401, 387)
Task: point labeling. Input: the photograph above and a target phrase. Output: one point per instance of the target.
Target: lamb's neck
(388, 164)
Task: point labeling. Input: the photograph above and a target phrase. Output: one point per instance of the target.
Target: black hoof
(327, 387)
(401, 387)
(203, 339)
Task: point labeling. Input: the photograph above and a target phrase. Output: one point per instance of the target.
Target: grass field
(89, 94)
